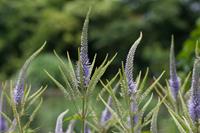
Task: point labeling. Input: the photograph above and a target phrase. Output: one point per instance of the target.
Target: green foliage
(189, 46)
(25, 25)
(43, 62)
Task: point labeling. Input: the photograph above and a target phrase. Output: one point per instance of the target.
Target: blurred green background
(114, 26)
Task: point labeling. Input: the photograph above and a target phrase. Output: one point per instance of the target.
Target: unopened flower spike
(59, 122)
(70, 128)
(194, 102)
(19, 87)
(106, 114)
(84, 59)
(3, 123)
(174, 80)
(129, 65)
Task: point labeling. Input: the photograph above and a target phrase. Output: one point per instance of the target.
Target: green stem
(83, 114)
(131, 115)
(197, 127)
(84, 111)
(177, 106)
(17, 116)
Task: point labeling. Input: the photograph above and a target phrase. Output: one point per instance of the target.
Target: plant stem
(83, 113)
(131, 115)
(197, 127)
(17, 116)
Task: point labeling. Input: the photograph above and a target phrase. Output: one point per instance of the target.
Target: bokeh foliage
(25, 25)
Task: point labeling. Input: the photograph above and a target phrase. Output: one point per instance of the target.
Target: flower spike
(59, 122)
(85, 64)
(3, 124)
(106, 114)
(194, 102)
(174, 80)
(129, 65)
(132, 87)
(19, 88)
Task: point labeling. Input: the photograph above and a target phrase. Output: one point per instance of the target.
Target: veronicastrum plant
(123, 113)
(183, 103)
(80, 82)
(127, 115)
(21, 101)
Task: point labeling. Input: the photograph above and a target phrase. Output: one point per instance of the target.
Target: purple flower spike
(85, 64)
(106, 114)
(59, 122)
(194, 102)
(3, 123)
(132, 87)
(129, 66)
(174, 80)
(19, 88)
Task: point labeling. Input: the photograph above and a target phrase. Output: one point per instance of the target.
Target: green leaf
(141, 88)
(108, 84)
(116, 103)
(60, 86)
(175, 115)
(180, 127)
(73, 93)
(68, 71)
(33, 114)
(32, 101)
(149, 89)
(112, 112)
(98, 74)
(92, 65)
(183, 87)
(185, 110)
(154, 128)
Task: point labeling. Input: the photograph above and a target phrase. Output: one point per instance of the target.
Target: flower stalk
(106, 114)
(3, 123)
(132, 87)
(174, 80)
(194, 102)
(84, 69)
(59, 122)
(19, 88)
